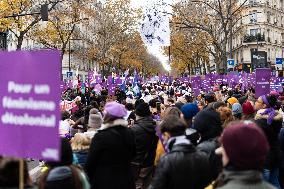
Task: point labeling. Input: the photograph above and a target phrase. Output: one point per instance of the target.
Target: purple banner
(30, 111)
(262, 77)
(196, 85)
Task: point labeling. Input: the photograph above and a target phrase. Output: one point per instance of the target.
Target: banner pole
(21, 173)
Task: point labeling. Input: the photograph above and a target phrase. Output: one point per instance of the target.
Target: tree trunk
(20, 41)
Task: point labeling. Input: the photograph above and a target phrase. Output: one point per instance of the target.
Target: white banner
(155, 28)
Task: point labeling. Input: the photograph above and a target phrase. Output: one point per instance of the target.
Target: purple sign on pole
(30, 111)
(262, 78)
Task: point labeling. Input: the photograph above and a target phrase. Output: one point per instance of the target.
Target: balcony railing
(254, 38)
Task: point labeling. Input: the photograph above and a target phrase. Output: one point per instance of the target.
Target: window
(253, 16)
(268, 17)
(254, 32)
(252, 2)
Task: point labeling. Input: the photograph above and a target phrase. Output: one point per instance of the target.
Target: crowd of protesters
(164, 137)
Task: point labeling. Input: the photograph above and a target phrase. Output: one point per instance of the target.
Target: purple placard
(262, 77)
(30, 111)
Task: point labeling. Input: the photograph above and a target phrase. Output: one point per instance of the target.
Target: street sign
(278, 64)
(69, 74)
(231, 63)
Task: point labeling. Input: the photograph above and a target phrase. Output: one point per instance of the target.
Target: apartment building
(258, 36)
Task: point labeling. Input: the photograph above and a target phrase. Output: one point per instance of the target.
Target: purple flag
(111, 90)
(118, 81)
(262, 77)
(30, 111)
(98, 79)
(109, 80)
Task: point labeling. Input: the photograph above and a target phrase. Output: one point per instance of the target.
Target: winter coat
(272, 132)
(146, 141)
(243, 180)
(281, 139)
(80, 157)
(182, 167)
(110, 154)
(215, 161)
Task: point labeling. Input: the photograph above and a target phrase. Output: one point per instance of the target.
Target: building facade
(258, 37)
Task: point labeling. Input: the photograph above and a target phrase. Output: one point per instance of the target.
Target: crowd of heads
(234, 129)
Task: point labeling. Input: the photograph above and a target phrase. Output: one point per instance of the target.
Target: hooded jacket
(145, 141)
(183, 167)
(272, 132)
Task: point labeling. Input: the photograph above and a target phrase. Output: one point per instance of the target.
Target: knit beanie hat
(237, 109)
(208, 124)
(143, 110)
(95, 119)
(242, 154)
(115, 109)
(189, 110)
(248, 109)
(232, 100)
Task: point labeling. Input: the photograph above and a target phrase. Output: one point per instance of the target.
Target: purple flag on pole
(30, 111)
(111, 89)
(262, 77)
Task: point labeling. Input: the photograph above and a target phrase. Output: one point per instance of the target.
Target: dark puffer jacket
(208, 124)
(183, 167)
(146, 141)
(272, 132)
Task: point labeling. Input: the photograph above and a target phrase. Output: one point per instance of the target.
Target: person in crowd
(63, 174)
(226, 115)
(64, 125)
(242, 160)
(231, 101)
(281, 167)
(248, 111)
(183, 166)
(270, 121)
(237, 111)
(112, 151)
(94, 123)
(10, 171)
(160, 151)
(146, 144)
(209, 100)
(170, 102)
(209, 127)
(218, 104)
(80, 144)
(189, 111)
(82, 122)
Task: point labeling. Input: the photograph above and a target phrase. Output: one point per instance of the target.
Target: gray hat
(237, 109)
(95, 119)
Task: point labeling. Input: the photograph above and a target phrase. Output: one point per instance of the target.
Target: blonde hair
(80, 142)
(225, 115)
